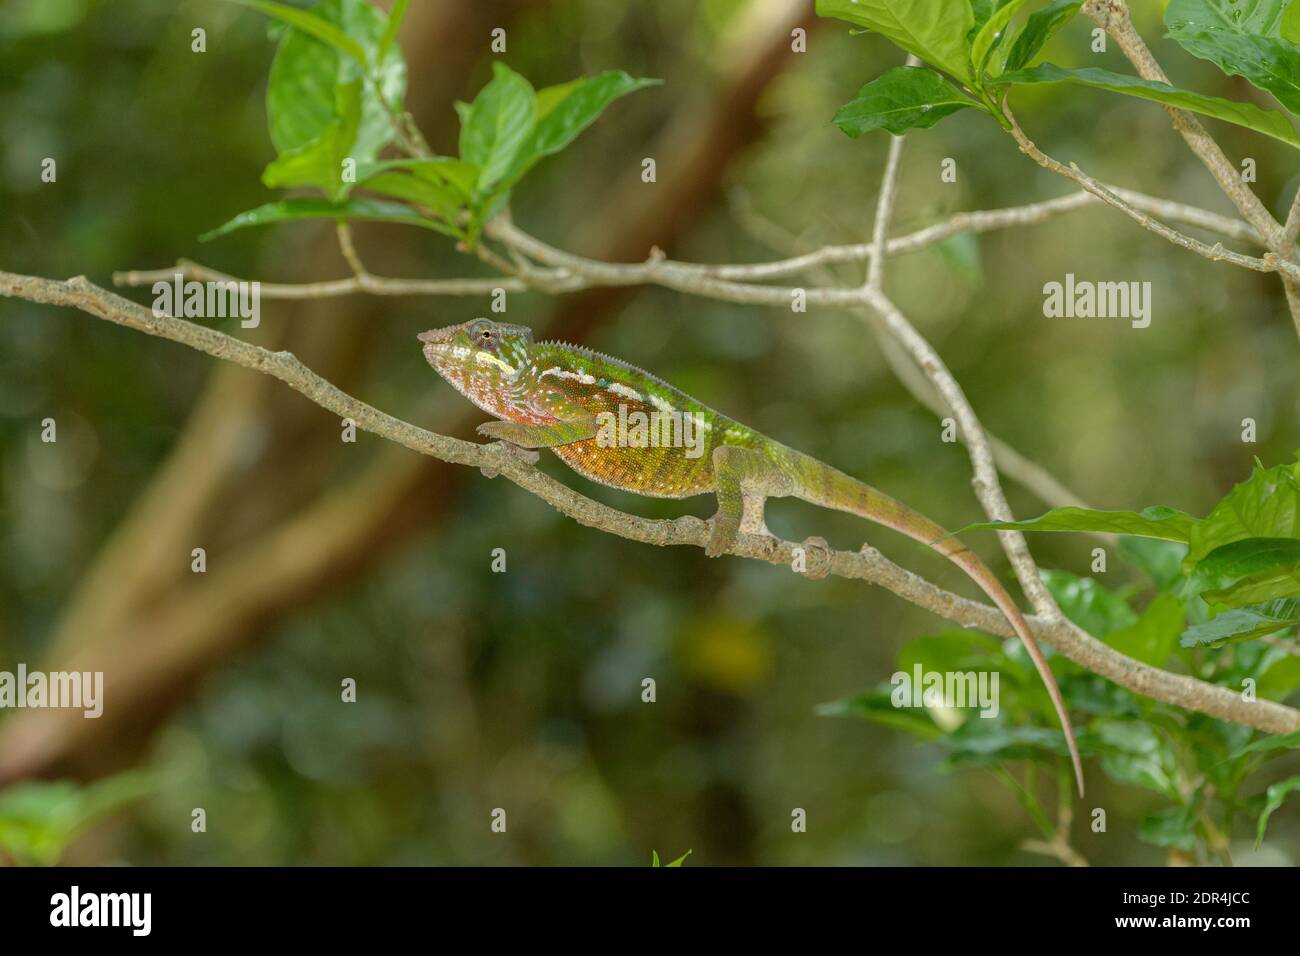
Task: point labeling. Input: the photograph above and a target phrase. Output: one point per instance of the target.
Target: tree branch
(867, 564)
(354, 285)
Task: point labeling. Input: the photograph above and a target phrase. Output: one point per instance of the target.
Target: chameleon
(572, 400)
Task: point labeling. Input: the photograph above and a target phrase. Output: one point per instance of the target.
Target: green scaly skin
(565, 398)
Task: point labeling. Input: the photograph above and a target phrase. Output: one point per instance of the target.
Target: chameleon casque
(558, 396)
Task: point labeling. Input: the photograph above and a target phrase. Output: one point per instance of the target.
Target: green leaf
(1154, 522)
(320, 162)
(459, 176)
(548, 97)
(1172, 827)
(935, 30)
(1250, 571)
(1289, 741)
(904, 98)
(991, 34)
(949, 651)
(439, 197)
(1154, 635)
(39, 819)
(1279, 673)
(302, 95)
(442, 184)
(1088, 604)
(1275, 794)
(394, 23)
(287, 209)
(981, 10)
(1249, 17)
(1290, 26)
(1242, 39)
(877, 707)
(1161, 560)
(984, 742)
(309, 23)
(1268, 122)
(1041, 26)
(1133, 753)
(456, 175)
(1266, 505)
(654, 859)
(496, 125)
(1244, 623)
(564, 111)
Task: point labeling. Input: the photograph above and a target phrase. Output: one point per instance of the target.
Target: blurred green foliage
(39, 819)
(523, 690)
(680, 861)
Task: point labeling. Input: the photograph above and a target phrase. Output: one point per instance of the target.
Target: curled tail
(829, 488)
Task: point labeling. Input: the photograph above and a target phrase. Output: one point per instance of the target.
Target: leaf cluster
(979, 51)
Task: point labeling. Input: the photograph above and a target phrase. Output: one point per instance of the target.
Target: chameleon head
(483, 360)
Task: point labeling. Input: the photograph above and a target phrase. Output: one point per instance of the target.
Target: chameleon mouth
(438, 348)
(446, 358)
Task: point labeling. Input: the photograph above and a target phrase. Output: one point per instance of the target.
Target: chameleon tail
(834, 489)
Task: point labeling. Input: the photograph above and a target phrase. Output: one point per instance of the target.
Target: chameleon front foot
(507, 433)
(724, 529)
(527, 455)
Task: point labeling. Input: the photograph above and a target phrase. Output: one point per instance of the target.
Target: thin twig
(885, 205)
(374, 285)
(982, 221)
(344, 232)
(1215, 253)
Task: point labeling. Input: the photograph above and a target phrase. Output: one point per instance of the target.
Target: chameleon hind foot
(724, 529)
(527, 455)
